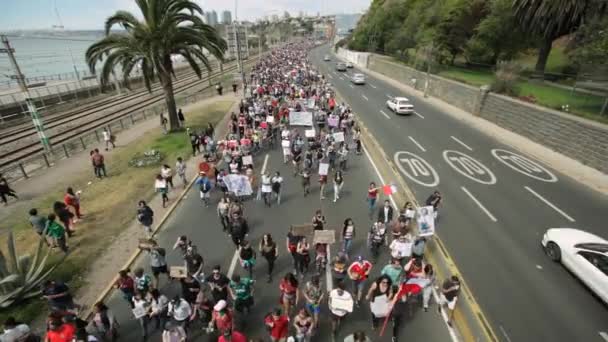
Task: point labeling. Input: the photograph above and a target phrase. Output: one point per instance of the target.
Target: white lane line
(419, 115)
(444, 315)
(340, 77)
(461, 143)
(330, 76)
(365, 97)
(235, 258)
(386, 115)
(479, 204)
(568, 217)
(603, 335)
(329, 278)
(389, 96)
(504, 333)
(417, 144)
(373, 86)
(351, 86)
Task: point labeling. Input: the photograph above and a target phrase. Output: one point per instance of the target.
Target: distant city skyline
(91, 15)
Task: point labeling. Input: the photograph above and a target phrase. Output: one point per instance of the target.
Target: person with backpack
(195, 143)
(204, 186)
(239, 229)
(145, 217)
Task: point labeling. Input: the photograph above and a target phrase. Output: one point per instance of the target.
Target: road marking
(504, 333)
(351, 86)
(479, 204)
(444, 315)
(419, 115)
(340, 77)
(603, 335)
(330, 76)
(235, 258)
(417, 144)
(365, 97)
(469, 167)
(265, 163)
(550, 204)
(539, 267)
(418, 169)
(524, 165)
(387, 95)
(383, 113)
(373, 86)
(461, 143)
(329, 278)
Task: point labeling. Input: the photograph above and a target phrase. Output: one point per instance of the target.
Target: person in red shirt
(278, 325)
(72, 199)
(232, 336)
(60, 332)
(358, 272)
(372, 196)
(126, 285)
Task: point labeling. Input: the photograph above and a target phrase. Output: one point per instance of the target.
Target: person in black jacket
(145, 216)
(385, 214)
(64, 215)
(238, 229)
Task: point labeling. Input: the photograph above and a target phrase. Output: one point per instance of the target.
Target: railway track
(29, 149)
(27, 130)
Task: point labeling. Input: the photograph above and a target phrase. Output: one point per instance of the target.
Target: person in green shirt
(241, 291)
(56, 232)
(393, 271)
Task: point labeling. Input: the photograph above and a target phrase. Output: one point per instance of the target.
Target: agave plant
(21, 276)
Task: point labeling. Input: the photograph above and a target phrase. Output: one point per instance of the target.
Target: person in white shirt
(401, 248)
(107, 138)
(266, 188)
(167, 174)
(14, 332)
(174, 333)
(141, 305)
(340, 304)
(180, 169)
(160, 185)
(277, 183)
(180, 310)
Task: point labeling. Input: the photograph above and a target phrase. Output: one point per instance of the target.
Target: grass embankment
(109, 204)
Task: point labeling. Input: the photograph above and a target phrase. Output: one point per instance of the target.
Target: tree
(169, 27)
(551, 19)
(591, 43)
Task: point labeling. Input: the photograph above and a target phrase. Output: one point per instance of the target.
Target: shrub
(507, 75)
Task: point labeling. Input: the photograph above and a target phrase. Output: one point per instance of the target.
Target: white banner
(311, 103)
(309, 133)
(239, 184)
(300, 118)
(380, 307)
(247, 160)
(323, 169)
(338, 137)
(426, 221)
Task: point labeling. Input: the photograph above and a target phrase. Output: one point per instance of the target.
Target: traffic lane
(534, 243)
(202, 226)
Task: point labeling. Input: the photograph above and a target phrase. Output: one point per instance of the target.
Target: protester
(167, 174)
(159, 307)
(241, 291)
(232, 336)
(303, 323)
(6, 190)
(180, 169)
(99, 164)
(339, 300)
(16, 332)
(108, 138)
(358, 272)
(290, 294)
(174, 333)
(278, 325)
(270, 252)
(314, 295)
(158, 263)
(145, 217)
(72, 199)
(372, 196)
(348, 235)
(448, 296)
(126, 285)
(64, 215)
(218, 283)
(37, 222)
(56, 233)
(222, 319)
(338, 184)
(204, 185)
(277, 183)
(104, 322)
(380, 290)
(180, 310)
(161, 186)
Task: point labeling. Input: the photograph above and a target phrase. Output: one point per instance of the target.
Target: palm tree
(169, 27)
(551, 19)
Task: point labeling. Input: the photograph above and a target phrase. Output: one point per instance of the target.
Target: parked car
(400, 105)
(358, 79)
(341, 67)
(582, 253)
(349, 65)
(326, 58)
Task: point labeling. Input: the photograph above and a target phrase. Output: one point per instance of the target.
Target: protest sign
(302, 230)
(311, 103)
(333, 121)
(338, 137)
(300, 118)
(270, 119)
(146, 243)
(310, 133)
(324, 236)
(247, 160)
(342, 304)
(426, 221)
(285, 143)
(139, 312)
(177, 272)
(238, 184)
(380, 307)
(323, 169)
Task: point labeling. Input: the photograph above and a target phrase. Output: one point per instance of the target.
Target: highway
(493, 214)
(203, 227)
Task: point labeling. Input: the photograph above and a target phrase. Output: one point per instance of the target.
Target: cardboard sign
(238, 184)
(305, 230)
(310, 133)
(341, 304)
(247, 160)
(177, 272)
(380, 307)
(270, 119)
(139, 312)
(338, 137)
(426, 221)
(324, 236)
(285, 143)
(311, 103)
(333, 121)
(300, 118)
(323, 169)
(146, 243)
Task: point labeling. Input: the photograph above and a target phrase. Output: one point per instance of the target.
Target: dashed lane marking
(603, 335)
(373, 86)
(418, 114)
(350, 85)
(553, 206)
(461, 143)
(386, 115)
(365, 97)
(481, 206)
(417, 144)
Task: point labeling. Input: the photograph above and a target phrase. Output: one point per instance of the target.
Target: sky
(90, 14)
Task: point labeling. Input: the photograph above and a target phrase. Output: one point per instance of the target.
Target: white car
(584, 254)
(358, 79)
(400, 105)
(349, 65)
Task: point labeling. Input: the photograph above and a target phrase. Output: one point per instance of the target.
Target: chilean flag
(389, 189)
(413, 286)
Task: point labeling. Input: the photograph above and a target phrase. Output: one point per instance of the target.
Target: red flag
(389, 189)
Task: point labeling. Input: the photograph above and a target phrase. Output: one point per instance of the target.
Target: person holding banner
(266, 188)
(379, 296)
(338, 184)
(340, 304)
(277, 183)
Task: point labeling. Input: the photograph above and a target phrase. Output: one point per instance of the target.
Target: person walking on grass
(180, 169)
(163, 123)
(160, 185)
(108, 138)
(37, 222)
(167, 174)
(181, 118)
(5, 190)
(72, 199)
(56, 233)
(99, 164)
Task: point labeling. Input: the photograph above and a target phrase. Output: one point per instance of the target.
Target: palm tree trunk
(543, 55)
(167, 84)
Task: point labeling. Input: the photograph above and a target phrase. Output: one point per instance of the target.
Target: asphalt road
(493, 217)
(201, 224)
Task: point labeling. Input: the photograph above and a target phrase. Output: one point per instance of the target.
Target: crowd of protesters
(282, 83)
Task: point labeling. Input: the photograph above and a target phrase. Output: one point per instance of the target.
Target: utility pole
(31, 106)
